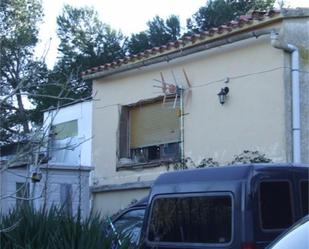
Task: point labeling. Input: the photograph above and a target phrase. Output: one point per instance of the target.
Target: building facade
(156, 109)
(59, 176)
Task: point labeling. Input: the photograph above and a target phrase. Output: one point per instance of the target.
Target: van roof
(224, 173)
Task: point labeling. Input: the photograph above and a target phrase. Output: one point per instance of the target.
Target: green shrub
(26, 228)
(248, 156)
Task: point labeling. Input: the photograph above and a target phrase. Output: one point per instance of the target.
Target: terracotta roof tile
(203, 35)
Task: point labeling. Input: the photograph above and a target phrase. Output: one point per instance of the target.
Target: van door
(301, 186)
(274, 209)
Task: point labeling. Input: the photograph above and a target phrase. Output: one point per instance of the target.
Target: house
(240, 86)
(59, 175)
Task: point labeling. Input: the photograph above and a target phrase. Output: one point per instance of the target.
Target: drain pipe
(295, 93)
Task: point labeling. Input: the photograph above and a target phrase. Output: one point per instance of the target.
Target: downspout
(182, 128)
(295, 93)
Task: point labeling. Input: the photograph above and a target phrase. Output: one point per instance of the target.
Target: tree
(138, 43)
(219, 12)
(19, 70)
(159, 32)
(84, 38)
(85, 42)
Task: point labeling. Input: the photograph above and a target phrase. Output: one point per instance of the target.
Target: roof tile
(232, 25)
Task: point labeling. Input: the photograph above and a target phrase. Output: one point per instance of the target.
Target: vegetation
(159, 32)
(85, 42)
(219, 12)
(30, 229)
(19, 70)
(246, 157)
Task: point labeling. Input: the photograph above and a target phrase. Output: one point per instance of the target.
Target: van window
(130, 224)
(191, 219)
(275, 204)
(304, 186)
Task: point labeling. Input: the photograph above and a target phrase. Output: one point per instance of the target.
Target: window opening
(275, 204)
(66, 197)
(304, 186)
(65, 130)
(191, 219)
(22, 193)
(130, 224)
(149, 132)
(64, 143)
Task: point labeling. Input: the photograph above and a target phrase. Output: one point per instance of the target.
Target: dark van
(128, 223)
(244, 206)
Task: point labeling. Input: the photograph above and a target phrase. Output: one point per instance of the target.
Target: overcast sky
(128, 16)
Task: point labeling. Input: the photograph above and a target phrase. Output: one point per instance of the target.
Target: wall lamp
(222, 95)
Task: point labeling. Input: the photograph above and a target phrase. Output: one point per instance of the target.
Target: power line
(216, 81)
(237, 77)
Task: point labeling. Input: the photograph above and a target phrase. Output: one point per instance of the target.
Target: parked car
(244, 206)
(295, 237)
(128, 223)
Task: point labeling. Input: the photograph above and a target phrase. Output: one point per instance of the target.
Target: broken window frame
(126, 153)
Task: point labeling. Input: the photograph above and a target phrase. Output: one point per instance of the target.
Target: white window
(65, 130)
(65, 147)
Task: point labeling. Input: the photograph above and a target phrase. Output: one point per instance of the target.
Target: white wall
(52, 178)
(112, 202)
(83, 113)
(8, 182)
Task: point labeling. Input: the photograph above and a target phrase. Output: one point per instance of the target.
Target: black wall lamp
(222, 95)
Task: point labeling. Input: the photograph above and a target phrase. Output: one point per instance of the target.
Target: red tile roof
(251, 19)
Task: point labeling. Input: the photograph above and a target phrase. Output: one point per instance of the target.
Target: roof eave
(189, 48)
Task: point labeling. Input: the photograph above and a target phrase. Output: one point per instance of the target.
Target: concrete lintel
(119, 187)
(66, 167)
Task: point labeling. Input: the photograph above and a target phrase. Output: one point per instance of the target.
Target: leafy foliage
(248, 156)
(19, 70)
(85, 42)
(218, 12)
(83, 36)
(52, 229)
(208, 162)
(159, 32)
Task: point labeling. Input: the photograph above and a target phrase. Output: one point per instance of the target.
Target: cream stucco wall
(253, 118)
(108, 203)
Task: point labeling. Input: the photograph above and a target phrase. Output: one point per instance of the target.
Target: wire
(238, 77)
(217, 81)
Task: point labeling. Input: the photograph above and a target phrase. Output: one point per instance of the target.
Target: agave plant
(27, 228)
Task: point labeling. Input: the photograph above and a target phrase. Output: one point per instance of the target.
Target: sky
(128, 16)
